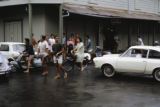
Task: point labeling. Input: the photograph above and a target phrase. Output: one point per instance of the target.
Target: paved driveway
(82, 89)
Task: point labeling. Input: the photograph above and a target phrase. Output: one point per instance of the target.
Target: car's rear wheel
(108, 71)
(156, 75)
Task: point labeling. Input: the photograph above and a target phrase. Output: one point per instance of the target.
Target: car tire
(108, 71)
(156, 75)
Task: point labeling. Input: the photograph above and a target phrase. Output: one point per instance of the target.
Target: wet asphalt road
(82, 89)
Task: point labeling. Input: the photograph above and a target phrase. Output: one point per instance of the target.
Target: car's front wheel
(156, 75)
(108, 71)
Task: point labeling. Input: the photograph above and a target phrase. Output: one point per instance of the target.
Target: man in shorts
(58, 50)
(43, 53)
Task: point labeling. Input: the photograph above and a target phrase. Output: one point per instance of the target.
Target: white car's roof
(146, 47)
(11, 43)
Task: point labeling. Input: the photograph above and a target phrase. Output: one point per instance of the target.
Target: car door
(153, 61)
(134, 60)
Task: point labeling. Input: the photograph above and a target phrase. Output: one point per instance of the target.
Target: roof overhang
(109, 13)
(21, 2)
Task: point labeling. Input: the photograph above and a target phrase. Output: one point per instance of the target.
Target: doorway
(13, 31)
(109, 42)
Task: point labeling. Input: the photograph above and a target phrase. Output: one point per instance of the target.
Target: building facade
(103, 20)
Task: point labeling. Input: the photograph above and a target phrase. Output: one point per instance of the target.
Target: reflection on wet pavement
(82, 89)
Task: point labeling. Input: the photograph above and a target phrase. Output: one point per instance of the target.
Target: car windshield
(4, 47)
(19, 47)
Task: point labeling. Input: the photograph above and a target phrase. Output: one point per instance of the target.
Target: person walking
(29, 51)
(70, 46)
(58, 50)
(43, 53)
(34, 42)
(51, 42)
(88, 44)
(79, 52)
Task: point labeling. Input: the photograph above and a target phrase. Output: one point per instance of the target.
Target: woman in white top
(79, 52)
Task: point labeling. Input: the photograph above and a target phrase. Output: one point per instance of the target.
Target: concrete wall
(38, 23)
(45, 19)
(1, 31)
(52, 20)
(11, 14)
(38, 20)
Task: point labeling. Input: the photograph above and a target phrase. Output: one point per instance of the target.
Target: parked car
(137, 59)
(11, 50)
(5, 68)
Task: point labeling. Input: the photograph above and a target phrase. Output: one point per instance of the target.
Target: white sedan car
(137, 59)
(11, 50)
(4, 65)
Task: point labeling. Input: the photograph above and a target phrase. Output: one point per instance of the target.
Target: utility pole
(61, 22)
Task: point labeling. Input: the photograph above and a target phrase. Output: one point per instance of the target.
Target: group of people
(50, 47)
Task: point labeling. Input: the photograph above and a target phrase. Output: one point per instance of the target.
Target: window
(4, 47)
(154, 54)
(138, 53)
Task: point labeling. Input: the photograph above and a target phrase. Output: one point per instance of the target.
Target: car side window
(138, 53)
(154, 54)
(4, 47)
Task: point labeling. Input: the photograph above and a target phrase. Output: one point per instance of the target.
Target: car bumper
(2, 72)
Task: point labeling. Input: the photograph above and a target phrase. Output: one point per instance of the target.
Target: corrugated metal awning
(108, 12)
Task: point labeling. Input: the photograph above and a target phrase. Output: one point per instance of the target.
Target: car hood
(111, 55)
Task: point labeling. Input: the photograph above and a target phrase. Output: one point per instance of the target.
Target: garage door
(13, 31)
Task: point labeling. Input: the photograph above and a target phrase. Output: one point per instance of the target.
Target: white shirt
(80, 52)
(80, 48)
(140, 41)
(51, 43)
(42, 46)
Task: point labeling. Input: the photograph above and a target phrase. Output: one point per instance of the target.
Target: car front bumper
(2, 72)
